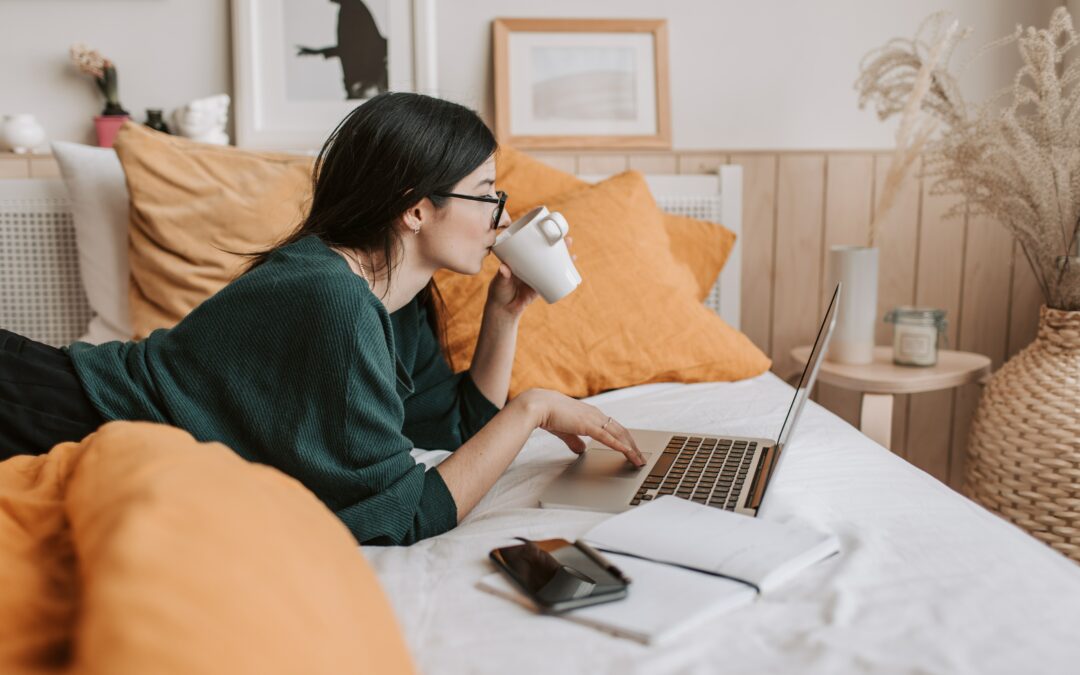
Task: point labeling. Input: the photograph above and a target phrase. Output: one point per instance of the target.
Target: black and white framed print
(300, 66)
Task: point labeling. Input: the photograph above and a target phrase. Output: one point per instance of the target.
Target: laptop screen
(809, 373)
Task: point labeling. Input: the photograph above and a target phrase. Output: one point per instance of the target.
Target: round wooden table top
(885, 377)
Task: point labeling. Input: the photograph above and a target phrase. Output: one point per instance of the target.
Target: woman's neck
(409, 278)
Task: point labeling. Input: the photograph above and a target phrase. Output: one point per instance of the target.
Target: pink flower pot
(107, 126)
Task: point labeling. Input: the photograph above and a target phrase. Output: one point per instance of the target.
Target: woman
(323, 358)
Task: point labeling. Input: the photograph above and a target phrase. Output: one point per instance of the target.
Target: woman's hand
(471, 470)
(508, 295)
(569, 419)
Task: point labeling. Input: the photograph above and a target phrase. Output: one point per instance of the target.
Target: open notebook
(676, 531)
(687, 562)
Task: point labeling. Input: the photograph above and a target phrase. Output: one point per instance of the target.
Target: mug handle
(554, 227)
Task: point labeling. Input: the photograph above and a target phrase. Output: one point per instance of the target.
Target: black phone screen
(555, 573)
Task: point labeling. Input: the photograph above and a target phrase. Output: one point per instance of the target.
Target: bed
(927, 581)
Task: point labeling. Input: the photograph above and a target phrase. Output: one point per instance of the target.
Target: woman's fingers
(572, 441)
(615, 436)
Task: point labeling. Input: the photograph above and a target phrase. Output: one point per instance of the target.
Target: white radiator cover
(41, 292)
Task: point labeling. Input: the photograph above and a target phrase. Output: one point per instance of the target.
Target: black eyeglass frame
(499, 199)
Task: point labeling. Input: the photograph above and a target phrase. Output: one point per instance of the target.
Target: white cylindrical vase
(856, 267)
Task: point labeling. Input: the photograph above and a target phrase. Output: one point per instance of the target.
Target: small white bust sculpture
(204, 119)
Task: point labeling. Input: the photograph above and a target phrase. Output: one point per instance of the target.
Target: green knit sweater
(298, 365)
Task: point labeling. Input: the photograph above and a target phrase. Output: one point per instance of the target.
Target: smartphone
(558, 575)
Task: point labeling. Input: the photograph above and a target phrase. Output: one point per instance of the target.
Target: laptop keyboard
(704, 470)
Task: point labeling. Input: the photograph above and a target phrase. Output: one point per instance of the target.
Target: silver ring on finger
(603, 427)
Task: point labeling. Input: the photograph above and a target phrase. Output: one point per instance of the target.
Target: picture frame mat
(501, 30)
(521, 76)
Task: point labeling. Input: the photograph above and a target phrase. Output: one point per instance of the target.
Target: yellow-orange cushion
(193, 206)
(636, 318)
(140, 550)
(702, 246)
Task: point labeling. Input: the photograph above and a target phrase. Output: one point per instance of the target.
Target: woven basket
(1024, 448)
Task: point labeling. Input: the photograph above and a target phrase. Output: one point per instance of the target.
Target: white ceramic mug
(534, 247)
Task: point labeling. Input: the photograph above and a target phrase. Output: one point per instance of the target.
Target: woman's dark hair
(386, 155)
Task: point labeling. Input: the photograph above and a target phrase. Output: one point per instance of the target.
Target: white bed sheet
(928, 582)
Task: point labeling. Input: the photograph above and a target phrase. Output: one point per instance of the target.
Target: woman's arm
(493, 359)
(471, 471)
(494, 355)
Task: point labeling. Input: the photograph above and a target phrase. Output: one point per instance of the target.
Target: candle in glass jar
(915, 335)
(915, 345)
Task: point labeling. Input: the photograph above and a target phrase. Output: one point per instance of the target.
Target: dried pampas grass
(1019, 164)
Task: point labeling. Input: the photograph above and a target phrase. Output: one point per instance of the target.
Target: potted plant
(91, 62)
(1018, 161)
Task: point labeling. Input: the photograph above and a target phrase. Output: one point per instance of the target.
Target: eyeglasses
(499, 199)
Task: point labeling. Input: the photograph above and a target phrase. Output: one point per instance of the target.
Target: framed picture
(299, 66)
(581, 83)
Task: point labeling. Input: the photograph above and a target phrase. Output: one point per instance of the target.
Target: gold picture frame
(581, 83)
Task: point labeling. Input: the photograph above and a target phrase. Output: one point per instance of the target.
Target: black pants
(42, 402)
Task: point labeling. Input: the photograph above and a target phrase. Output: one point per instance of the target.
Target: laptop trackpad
(598, 463)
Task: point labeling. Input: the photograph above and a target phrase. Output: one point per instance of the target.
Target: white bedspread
(928, 582)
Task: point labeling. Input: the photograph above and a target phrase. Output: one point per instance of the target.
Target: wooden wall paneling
(700, 162)
(983, 320)
(1026, 299)
(44, 167)
(759, 230)
(654, 163)
(14, 166)
(606, 163)
(560, 160)
(800, 201)
(937, 284)
(898, 240)
(849, 191)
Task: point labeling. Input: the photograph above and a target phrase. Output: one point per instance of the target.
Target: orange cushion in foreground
(140, 550)
(636, 318)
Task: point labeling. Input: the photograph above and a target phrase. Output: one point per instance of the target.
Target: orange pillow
(702, 246)
(191, 204)
(150, 552)
(636, 317)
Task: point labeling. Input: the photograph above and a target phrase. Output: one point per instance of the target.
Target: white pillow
(99, 209)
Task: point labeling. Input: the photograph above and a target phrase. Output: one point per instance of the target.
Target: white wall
(745, 74)
(752, 74)
(167, 52)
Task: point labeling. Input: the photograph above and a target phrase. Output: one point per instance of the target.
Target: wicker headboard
(41, 293)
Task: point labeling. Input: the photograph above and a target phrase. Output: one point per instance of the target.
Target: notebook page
(682, 532)
(663, 601)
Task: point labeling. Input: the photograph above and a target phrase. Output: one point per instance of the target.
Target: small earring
(416, 230)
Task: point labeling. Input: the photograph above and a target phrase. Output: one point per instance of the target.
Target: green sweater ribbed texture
(298, 365)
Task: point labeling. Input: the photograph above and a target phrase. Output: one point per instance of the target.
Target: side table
(880, 380)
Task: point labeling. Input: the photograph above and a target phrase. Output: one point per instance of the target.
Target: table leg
(875, 420)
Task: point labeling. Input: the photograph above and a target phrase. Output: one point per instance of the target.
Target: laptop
(726, 472)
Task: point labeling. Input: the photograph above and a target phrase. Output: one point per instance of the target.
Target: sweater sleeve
(446, 408)
(390, 499)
